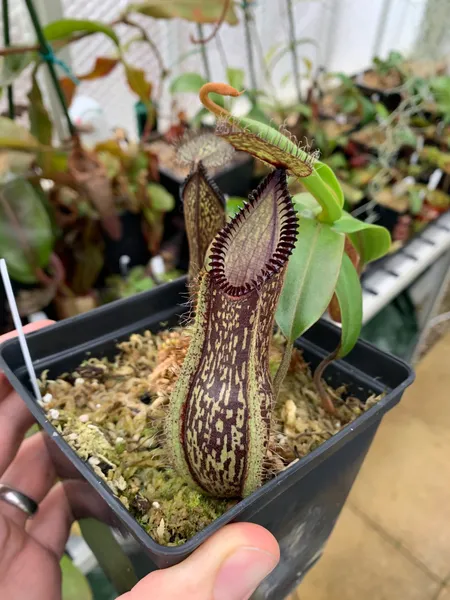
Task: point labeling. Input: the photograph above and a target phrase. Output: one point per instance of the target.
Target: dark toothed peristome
(246, 252)
(204, 215)
(220, 410)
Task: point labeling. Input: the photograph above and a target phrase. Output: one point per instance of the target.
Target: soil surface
(111, 412)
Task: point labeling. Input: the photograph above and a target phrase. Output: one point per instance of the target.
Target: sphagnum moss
(112, 414)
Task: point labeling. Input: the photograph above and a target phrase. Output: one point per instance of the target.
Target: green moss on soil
(112, 414)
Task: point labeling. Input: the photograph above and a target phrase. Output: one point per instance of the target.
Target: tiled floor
(392, 541)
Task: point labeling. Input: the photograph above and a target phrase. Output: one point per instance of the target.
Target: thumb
(229, 566)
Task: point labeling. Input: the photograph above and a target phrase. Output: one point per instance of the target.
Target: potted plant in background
(224, 378)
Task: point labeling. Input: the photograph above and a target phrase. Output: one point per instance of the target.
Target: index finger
(15, 418)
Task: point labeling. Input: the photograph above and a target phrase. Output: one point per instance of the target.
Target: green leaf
(306, 205)
(138, 83)
(234, 205)
(416, 199)
(348, 104)
(325, 188)
(11, 66)
(25, 230)
(235, 78)
(40, 123)
(198, 11)
(349, 295)
(64, 28)
(75, 586)
(371, 241)
(311, 277)
(13, 135)
(161, 200)
(258, 114)
(187, 82)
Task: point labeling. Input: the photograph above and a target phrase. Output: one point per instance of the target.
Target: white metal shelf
(396, 273)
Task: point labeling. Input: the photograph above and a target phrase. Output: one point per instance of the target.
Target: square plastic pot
(299, 506)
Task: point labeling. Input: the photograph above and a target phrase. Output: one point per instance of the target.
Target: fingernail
(242, 572)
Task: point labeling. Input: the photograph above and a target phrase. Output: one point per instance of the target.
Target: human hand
(229, 566)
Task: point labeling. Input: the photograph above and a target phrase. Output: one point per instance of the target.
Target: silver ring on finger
(18, 500)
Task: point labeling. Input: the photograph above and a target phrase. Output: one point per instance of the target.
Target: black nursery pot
(299, 506)
(391, 98)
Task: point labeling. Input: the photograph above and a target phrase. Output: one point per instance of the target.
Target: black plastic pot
(132, 243)
(300, 506)
(391, 98)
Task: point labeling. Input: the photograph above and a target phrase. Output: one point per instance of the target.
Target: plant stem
(18, 49)
(221, 50)
(110, 556)
(327, 402)
(249, 49)
(283, 368)
(204, 53)
(44, 49)
(7, 40)
(293, 45)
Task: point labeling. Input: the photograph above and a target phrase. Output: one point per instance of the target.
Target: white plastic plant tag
(18, 325)
(341, 119)
(124, 261)
(400, 188)
(434, 180)
(157, 266)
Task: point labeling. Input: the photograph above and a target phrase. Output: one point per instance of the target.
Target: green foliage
(371, 241)
(440, 88)
(40, 123)
(235, 78)
(75, 586)
(234, 205)
(26, 237)
(311, 277)
(187, 82)
(65, 28)
(394, 61)
(161, 200)
(12, 65)
(349, 295)
(198, 11)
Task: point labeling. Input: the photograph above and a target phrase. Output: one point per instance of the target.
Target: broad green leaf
(235, 78)
(258, 114)
(25, 230)
(198, 11)
(75, 586)
(347, 103)
(234, 205)
(306, 205)
(11, 66)
(160, 199)
(371, 241)
(40, 123)
(138, 83)
(325, 188)
(349, 295)
(13, 135)
(64, 28)
(311, 277)
(187, 82)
